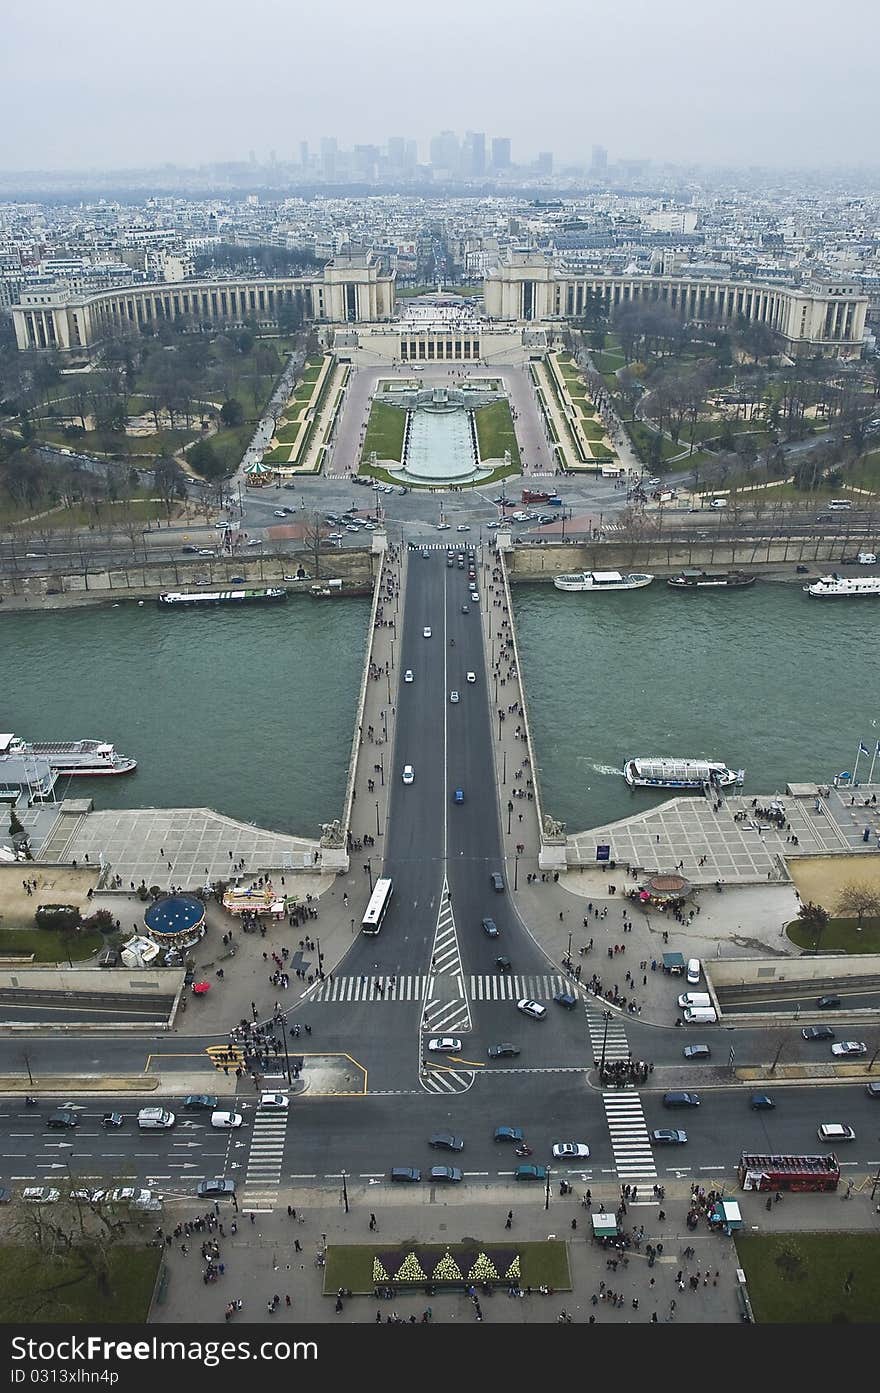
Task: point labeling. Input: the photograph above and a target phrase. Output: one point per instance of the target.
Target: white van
(840, 505)
(691, 999)
(693, 971)
(719, 503)
(700, 1015)
(155, 1119)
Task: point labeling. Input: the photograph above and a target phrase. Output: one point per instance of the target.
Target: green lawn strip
(541, 1264)
(608, 362)
(100, 442)
(842, 934)
(374, 471)
(384, 433)
(231, 444)
(593, 430)
(49, 945)
(286, 435)
(642, 438)
(37, 1286)
(495, 432)
(586, 408)
(801, 1278)
(280, 455)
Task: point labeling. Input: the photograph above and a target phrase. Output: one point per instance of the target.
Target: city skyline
(668, 87)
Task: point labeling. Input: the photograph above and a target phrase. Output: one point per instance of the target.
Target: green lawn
(495, 432)
(592, 430)
(280, 455)
(39, 1287)
(540, 1263)
(384, 432)
(801, 1278)
(287, 435)
(97, 442)
(49, 945)
(643, 438)
(608, 362)
(842, 934)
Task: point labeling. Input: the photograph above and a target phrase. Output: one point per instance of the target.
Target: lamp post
(606, 1016)
(382, 767)
(370, 872)
(344, 1193)
(547, 1190)
(509, 814)
(516, 871)
(279, 1020)
(569, 948)
(27, 1065)
(378, 832)
(504, 768)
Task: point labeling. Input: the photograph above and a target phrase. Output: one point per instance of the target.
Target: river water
(767, 679)
(251, 711)
(247, 711)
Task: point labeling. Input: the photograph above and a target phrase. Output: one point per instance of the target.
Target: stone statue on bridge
(332, 834)
(552, 827)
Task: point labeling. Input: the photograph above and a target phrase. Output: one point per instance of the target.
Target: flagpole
(856, 765)
(871, 770)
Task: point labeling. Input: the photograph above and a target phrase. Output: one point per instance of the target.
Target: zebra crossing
(503, 986)
(457, 547)
(630, 1143)
(265, 1157)
(446, 1009)
(344, 989)
(611, 1044)
(447, 1080)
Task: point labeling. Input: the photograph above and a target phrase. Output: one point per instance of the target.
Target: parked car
(406, 1173)
(445, 1174)
(40, 1194)
(668, 1136)
(849, 1049)
(445, 1141)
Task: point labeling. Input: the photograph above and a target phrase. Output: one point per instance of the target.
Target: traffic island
(411, 1266)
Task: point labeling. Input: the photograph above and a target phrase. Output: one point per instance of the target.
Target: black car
(200, 1102)
(502, 964)
(62, 1117)
(215, 1187)
(490, 928)
(497, 882)
(828, 1003)
(503, 1051)
(446, 1174)
(761, 1101)
(407, 1174)
(677, 1099)
(465, 609)
(565, 999)
(445, 1141)
(817, 1032)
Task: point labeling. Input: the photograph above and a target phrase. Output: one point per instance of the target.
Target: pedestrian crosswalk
(460, 544)
(440, 985)
(265, 1157)
(447, 1080)
(630, 1143)
(607, 1036)
(505, 986)
(446, 1008)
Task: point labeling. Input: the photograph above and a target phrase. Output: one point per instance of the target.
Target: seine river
(251, 712)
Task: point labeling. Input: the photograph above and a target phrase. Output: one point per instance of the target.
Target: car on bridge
(497, 880)
(61, 1118)
(697, 1052)
(445, 1174)
(828, 1003)
(217, 1187)
(445, 1141)
(503, 1051)
(511, 1134)
(533, 1009)
(200, 1102)
(530, 1172)
(849, 1049)
(408, 775)
(678, 1099)
(817, 1032)
(669, 1136)
(570, 1151)
(445, 1044)
(408, 675)
(761, 1102)
(490, 928)
(458, 796)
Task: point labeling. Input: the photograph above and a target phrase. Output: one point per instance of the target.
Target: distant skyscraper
(396, 153)
(544, 163)
(501, 152)
(328, 156)
(599, 162)
(445, 154)
(411, 157)
(473, 156)
(304, 153)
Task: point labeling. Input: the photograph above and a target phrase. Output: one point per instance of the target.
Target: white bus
(378, 906)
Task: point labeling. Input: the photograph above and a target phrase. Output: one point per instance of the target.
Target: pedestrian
(372, 1223)
(297, 1246)
(508, 1224)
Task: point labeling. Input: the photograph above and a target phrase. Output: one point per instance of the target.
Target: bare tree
(860, 898)
(314, 538)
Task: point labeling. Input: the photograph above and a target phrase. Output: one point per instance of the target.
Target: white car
(570, 1151)
(493, 524)
(224, 1121)
(350, 527)
(144, 1200)
(279, 513)
(533, 1009)
(274, 1100)
(40, 1194)
(471, 676)
(443, 526)
(444, 1044)
(335, 536)
(389, 488)
(426, 632)
(849, 1048)
(463, 527)
(836, 1131)
(408, 675)
(408, 774)
(453, 697)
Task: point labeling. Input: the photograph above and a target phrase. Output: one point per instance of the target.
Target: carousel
(258, 475)
(662, 891)
(175, 922)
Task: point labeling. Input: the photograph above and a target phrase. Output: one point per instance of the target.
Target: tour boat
(603, 580)
(839, 586)
(657, 772)
(189, 599)
(86, 758)
(710, 580)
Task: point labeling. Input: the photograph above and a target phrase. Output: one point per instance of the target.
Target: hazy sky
(114, 83)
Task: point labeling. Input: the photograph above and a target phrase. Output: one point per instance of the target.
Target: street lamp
(378, 833)
(344, 1193)
(509, 814)
(382, 766)
(547, 1190)
(279, 1020)
(504, 768)
(606, 1016)
(516, 871)
(27, 1065)
(370, 872)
